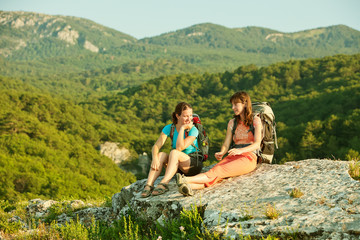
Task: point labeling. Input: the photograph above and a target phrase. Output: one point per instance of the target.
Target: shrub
(271, 212)
(296, 193)
(354, 169)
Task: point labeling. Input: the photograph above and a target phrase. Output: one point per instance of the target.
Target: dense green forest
(49, 145)
(316, 102)
(93, 83)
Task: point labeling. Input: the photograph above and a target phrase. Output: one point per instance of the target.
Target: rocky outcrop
(89, 46)
(144, 163)
(112, 151)
(69, 35)
(42, 209)
(328, 209)
(33, 28)
(326, 206)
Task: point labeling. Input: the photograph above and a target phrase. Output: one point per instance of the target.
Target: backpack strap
(172, 130)
(252, 129)
(193, 144)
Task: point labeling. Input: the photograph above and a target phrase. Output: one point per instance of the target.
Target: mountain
(338, 39)
(27, 36)
(38, 44)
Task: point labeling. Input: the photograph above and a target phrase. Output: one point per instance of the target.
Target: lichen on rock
(328, 208)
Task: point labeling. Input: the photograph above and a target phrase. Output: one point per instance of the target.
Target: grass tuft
(354, 169)
(296, 193)
(271, 212)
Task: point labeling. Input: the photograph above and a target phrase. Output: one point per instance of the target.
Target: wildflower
(181, 228)
(159, 238)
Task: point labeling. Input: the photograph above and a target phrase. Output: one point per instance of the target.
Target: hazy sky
(147, 18)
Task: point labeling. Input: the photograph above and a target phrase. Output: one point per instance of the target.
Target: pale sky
(148, 18)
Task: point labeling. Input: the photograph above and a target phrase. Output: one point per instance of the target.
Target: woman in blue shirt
(183, 155)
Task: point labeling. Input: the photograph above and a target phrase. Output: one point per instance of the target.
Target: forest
(49, 143)
(49, 148)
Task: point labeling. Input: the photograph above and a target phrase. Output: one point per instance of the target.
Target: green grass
(188, 226)
(354, 169)
(271, 212)
(296, 193)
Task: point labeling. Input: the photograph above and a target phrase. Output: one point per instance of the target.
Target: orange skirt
(232, 166)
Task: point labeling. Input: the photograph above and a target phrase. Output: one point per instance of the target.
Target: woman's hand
(235, 151)
(219, 155)
(155, 164)
(188, 126)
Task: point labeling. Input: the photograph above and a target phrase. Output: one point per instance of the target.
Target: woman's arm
(155, 164)
(182, 143)
(252, 147)
(226, 144)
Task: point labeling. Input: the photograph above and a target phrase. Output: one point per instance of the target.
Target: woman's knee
(174, 154)
(163, 157)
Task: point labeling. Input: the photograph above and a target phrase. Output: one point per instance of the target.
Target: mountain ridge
(27, 36)
(64, 28)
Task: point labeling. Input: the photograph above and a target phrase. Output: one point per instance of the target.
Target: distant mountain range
(38, 44)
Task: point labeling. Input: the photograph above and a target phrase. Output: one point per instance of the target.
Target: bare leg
(176, 159)
(198, 181)
(153, 175)
(196, 185)
(199, 178)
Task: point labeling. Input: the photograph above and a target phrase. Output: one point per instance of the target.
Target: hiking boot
(180, 179)
(185, 189)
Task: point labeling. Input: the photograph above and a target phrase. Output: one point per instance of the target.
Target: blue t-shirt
(193, 132)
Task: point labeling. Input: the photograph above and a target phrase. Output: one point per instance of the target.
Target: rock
(69, 35)
(39, 208)
(17, 219)
(18, 23)
(86, 216)
(139, 168)
(77, 208)
(76, 204)
(328, 209)
(112, 151)
(144, 163)
(89, 46)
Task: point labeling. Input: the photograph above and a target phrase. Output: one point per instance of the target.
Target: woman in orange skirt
(241, 158)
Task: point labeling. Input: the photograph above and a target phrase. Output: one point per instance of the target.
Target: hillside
(315, 103)
(337, 39)
(48, 147)
(28, 36)
(33, 44)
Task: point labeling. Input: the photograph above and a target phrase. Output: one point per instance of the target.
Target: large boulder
(112, 151)
(41, 209)
(328, 209)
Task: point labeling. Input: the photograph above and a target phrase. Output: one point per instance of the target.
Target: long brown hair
(178, 110)
(244, 98)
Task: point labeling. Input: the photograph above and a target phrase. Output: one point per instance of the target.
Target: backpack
(269, 138)
(202, 138)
